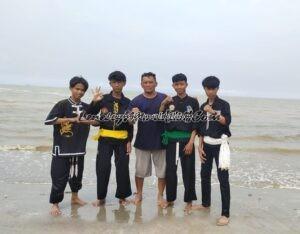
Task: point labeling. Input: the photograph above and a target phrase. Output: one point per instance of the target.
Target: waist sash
(117, 134)
(224, 154)
(174, 135)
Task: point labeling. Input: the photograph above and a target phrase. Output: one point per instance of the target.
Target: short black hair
(79, 80)
(211, 82)
(117, 76)
(147, 74)
(179, 77)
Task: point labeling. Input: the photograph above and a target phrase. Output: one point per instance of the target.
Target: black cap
(117, 76)
(179, 77)
(211, 82)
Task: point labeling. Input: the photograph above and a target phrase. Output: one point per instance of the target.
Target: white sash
(224, 155)
(177, 153)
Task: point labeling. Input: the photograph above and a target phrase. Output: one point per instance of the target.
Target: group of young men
(158, 143)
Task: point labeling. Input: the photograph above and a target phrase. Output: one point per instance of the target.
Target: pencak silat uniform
(112, 139)
(214, 130)
(69, 145)
(180, 132)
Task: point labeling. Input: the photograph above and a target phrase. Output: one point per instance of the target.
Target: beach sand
(253, 211)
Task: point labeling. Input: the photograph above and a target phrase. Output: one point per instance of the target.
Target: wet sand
(252, 211)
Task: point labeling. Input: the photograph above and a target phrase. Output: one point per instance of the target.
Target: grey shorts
(143, 163)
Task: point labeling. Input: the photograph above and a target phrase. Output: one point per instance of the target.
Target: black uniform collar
(72, 102)
(112, 98)
(182, 99)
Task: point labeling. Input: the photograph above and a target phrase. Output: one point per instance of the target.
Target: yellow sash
(117, 134)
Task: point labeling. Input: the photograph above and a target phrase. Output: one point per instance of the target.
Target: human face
(211, 93)
(77, 92)
(117, 86)
(180, 87)
(149, 84)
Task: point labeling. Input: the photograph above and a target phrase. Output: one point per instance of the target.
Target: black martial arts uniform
(69, 144)
(107, 146)
(188, 105)
(215, 129)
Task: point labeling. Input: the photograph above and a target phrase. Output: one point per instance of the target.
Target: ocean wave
(295, 137)
(21, 91)
(273, 150)
(54, 93)
(269, 186)
(4, 101)
(40, 148)
(5, 89)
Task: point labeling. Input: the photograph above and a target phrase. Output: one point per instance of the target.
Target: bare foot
(199, 207)
(77, 201)
(98, 203)
(55, 211)
(223, 221)
(124, 202)
(162, 202)
(188, 207)
(169, 204)
(137, 199)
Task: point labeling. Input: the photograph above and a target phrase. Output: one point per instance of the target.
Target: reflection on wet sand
(74, 211)
(249, 213)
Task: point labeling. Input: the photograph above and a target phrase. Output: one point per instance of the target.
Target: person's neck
(76, 100)
(150, 95)
(211, 100)
(117, 95)
(182, 95)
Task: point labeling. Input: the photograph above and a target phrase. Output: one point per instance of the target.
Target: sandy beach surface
(253, 211)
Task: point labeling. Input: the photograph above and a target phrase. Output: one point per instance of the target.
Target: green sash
(174, 135)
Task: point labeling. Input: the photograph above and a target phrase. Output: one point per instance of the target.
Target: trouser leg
(122, 171)
(60, 169)
(75, 182)
(171, 172)
(206, 168)
(188, 173)
(103, 168)
(223, 176)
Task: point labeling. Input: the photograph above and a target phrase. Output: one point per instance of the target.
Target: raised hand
(135, 110)
(104, 110)
(209, 109)
(97, 95)
(167, 100)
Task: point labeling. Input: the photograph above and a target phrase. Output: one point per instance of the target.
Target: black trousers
(60, 175)
(212, 152)
(106, 149)
(188, 172)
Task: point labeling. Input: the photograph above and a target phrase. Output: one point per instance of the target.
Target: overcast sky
(251, 45)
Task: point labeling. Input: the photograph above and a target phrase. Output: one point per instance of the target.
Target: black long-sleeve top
(69, 139)
(114, 106)
(184, 105)
(215, 129)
